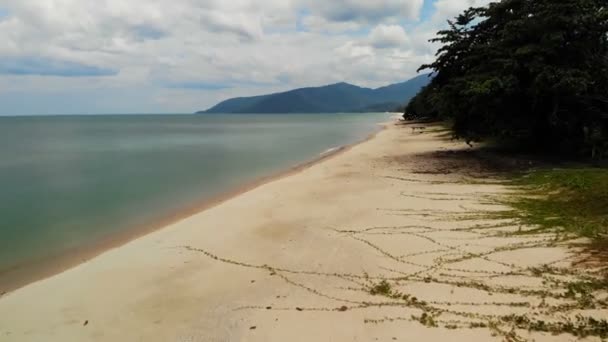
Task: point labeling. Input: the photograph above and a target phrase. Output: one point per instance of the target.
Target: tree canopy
(533, 72)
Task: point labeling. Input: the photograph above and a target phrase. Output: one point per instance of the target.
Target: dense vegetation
(335, 98)
(530, 72)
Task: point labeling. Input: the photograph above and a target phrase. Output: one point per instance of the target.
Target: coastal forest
(531, 74)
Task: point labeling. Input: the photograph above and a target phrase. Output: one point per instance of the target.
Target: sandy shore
(382, 242)
(35, 270)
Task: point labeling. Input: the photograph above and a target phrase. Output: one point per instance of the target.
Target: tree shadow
(594, 255)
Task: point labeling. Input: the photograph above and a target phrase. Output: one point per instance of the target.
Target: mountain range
(334, 98)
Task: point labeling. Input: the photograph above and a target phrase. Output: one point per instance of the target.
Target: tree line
(531, 73)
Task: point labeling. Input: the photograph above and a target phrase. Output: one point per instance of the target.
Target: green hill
(335, 98)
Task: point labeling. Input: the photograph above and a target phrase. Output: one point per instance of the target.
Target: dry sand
(297, 258)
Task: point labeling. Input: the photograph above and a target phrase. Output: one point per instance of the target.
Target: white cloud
(321, 24)
(388, 36)
(212, 49)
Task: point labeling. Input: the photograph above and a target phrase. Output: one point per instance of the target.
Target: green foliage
(580, 326)
(534, 72)
(426, 320)
(382, 288)
(574, 200)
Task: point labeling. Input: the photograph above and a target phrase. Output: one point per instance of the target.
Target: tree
(533, 72)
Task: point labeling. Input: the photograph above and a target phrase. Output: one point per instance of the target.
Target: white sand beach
(382, 242)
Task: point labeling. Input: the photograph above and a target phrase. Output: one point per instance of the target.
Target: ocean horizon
(72, 181)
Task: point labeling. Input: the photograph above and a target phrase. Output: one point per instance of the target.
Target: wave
(330, 150)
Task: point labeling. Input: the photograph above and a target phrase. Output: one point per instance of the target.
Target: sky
(180, 56)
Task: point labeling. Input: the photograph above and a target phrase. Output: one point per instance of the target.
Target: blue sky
(169, 56)
(428, 9)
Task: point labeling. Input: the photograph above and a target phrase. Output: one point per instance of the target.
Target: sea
(67, 183)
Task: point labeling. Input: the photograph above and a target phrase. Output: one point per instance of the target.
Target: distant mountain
(335, 98)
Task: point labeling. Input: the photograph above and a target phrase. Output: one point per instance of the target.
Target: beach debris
(253, 327)
(299, 309)
(269, 308)
(343, 308)
(85, 323)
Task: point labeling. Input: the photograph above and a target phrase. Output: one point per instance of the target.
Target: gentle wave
(329, 150)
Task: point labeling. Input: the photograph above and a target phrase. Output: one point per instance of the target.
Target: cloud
(145, 32)
(49, 67)
(199, 85)
(388, 36)
(321, 24)
(354, 51)
(364, 10)
(239, 24)
(186, 55)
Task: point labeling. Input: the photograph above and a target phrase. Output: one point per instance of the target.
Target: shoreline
(379, 239)
(32, 271)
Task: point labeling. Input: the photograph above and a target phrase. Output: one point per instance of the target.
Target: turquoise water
(69, 181)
